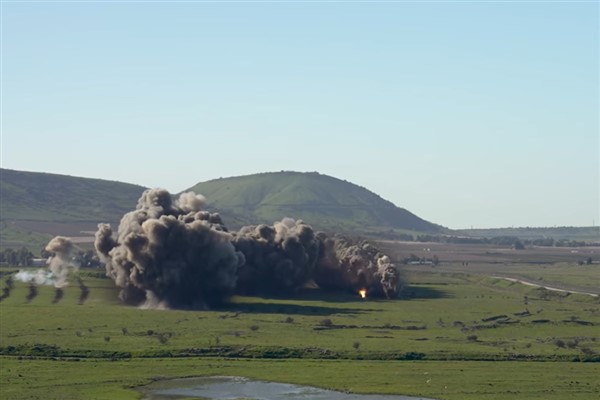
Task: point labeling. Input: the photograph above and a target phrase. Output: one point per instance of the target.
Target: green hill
(323, 201)
(35, 206)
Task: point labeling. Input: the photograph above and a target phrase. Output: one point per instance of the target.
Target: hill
(323, 201)
(35, 206)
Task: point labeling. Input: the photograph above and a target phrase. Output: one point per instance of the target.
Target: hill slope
(37, 196)
(35, 206)
(320, 200)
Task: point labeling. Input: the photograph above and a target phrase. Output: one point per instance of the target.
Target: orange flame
(362, 293)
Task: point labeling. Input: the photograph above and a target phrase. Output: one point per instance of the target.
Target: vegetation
(37, 206)
(36, 196)
(556, 236)
(450, 325)
(320, 200)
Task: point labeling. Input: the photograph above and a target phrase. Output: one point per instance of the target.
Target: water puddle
(232, 387)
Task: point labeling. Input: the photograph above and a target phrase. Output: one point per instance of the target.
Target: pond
(233, 387)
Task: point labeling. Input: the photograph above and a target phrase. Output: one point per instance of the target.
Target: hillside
(320, 200)
(35, 206)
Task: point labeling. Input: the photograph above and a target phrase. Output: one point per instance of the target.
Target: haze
(467, 114)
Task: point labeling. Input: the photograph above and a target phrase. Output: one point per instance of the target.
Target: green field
(448, 327)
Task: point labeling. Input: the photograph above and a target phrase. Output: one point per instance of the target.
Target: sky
(468, 114)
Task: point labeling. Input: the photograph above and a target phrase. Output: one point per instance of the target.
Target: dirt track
(507, 272)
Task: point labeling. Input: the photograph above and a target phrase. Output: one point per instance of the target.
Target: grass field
(448, 328)
(102, 379)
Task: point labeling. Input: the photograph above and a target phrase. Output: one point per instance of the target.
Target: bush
(572, 343)
(162, 338)
(254, 327)
(559, 343)
(356, 345)
(289, 320)
(472, 338)
(325, 322)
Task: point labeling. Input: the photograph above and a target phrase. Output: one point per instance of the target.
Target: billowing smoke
(170, 255)
(173, 254)
(348, 265)
(60, 262)
(279, 259)
(39, 277)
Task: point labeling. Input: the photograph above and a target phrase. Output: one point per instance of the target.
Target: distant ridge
(37, 196)
(35, 206)
(323, 201)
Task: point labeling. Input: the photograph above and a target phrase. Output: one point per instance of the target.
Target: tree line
(23, 257)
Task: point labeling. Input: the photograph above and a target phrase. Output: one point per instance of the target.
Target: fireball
(362, 293)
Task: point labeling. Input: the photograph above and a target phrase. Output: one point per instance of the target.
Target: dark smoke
(33, 292)
(348, 265)
(170, 255)
(85, 292)
(58, 295)
(279, 259)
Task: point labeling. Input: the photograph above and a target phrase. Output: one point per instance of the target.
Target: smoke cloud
(39, 277)
(60, 262)
(345, 264)
(170, 255)
(280, 259)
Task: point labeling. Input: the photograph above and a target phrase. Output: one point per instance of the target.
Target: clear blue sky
(466, 113)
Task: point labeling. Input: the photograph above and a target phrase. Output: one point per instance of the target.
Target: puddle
(232, 387)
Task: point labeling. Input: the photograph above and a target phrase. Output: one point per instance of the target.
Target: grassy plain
(451, 336)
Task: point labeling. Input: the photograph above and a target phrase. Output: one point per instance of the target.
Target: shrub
(572, 343)
(356, 345)
(587, 351)
(163, 339)
(325, 322)
(254, 327)
(472, 338)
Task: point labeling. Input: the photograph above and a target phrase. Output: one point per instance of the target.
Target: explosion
(60, 262)
(348, 265)
(170, 255)
(280, 259)
(174, 254)
(362, 293)
(60, 265)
